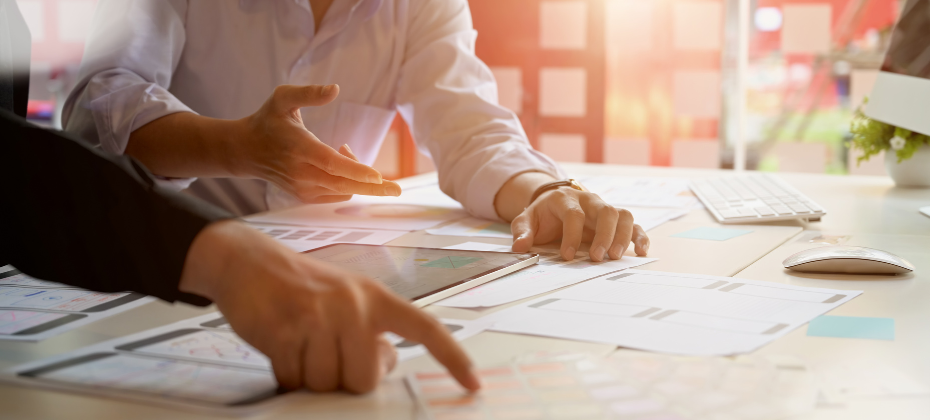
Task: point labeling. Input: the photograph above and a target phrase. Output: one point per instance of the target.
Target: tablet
(424, 275)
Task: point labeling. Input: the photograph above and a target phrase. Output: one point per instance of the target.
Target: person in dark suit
(80, 216)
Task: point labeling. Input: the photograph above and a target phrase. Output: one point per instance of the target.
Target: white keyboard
(754, 198)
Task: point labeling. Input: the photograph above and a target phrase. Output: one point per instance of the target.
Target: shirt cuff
(492, 176)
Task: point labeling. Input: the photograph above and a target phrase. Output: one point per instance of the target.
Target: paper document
(303, 238)
(416, 208)
(647, 218)
(623, 386)
(623, 191)
(672, 313)
(473, 227)
(551, 273)
(33, 310)
(198, 364)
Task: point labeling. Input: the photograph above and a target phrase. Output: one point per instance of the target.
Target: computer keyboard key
(721, 206)
(782, 210)
(729, 214)
(799, 208)
(747, 212)
(765, 211)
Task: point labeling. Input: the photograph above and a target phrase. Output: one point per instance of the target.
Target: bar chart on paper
(302, 238)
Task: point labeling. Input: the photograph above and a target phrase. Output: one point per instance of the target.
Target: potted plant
(907, 154)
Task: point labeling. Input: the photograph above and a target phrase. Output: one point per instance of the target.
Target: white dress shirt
(221, 58)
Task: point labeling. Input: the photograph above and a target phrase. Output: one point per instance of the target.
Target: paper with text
(551, 273)
(673, 313)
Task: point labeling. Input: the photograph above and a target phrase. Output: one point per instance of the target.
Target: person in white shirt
(273, 103)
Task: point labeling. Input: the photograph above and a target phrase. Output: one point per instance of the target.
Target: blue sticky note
(852, 327)
(712, 233)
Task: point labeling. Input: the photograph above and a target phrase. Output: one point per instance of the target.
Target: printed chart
(673, 313)
(301, 238)
(32, 309)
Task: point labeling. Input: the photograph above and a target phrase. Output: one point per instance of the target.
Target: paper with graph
(550, 273)
(32, 309)
(303, 238)
(672, 313)
(198, 364)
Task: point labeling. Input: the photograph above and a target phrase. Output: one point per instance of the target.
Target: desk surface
(869, 209)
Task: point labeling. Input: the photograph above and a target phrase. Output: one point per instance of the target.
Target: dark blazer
(79, 216)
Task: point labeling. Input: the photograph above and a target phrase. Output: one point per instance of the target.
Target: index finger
(335, 163)
(415, 325)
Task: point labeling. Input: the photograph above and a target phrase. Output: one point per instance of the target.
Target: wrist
(208, 258)
(233, 153)
(516, 193)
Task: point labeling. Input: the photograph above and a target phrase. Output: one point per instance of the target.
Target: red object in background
(40, 110)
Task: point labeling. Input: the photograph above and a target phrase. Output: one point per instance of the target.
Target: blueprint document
(198, 364)
(551, 273)
(675, 313)
(32, 310)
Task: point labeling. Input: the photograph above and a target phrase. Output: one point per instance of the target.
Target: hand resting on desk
(572, 215)
(321, 327)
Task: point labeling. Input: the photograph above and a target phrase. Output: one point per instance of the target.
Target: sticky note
(563, 91)
(807, 28)
(697, 25)
(629, 26)
(563, 25)
(712, 233)
(563, 147)
(852, 327)
(696, 93)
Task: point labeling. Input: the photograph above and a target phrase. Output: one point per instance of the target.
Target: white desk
(859, 206)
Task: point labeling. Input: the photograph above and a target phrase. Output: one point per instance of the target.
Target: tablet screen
(417, 272)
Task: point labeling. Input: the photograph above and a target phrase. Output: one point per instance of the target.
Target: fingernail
(394, 190)
(598, 253)
(373, 179)
(348, 148)
(327, 90)
(623, 251)
(474, 383)
(570, 252)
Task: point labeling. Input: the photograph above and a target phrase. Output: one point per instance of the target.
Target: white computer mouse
(847, 260)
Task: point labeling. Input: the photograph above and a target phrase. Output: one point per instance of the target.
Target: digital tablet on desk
(424, 275)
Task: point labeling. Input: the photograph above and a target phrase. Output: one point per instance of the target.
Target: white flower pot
(911, 173)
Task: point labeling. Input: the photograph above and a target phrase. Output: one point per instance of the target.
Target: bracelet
(556, 184)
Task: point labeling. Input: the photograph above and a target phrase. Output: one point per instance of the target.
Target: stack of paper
(672, 313)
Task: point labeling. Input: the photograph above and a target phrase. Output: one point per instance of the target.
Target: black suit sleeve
(77, 215)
